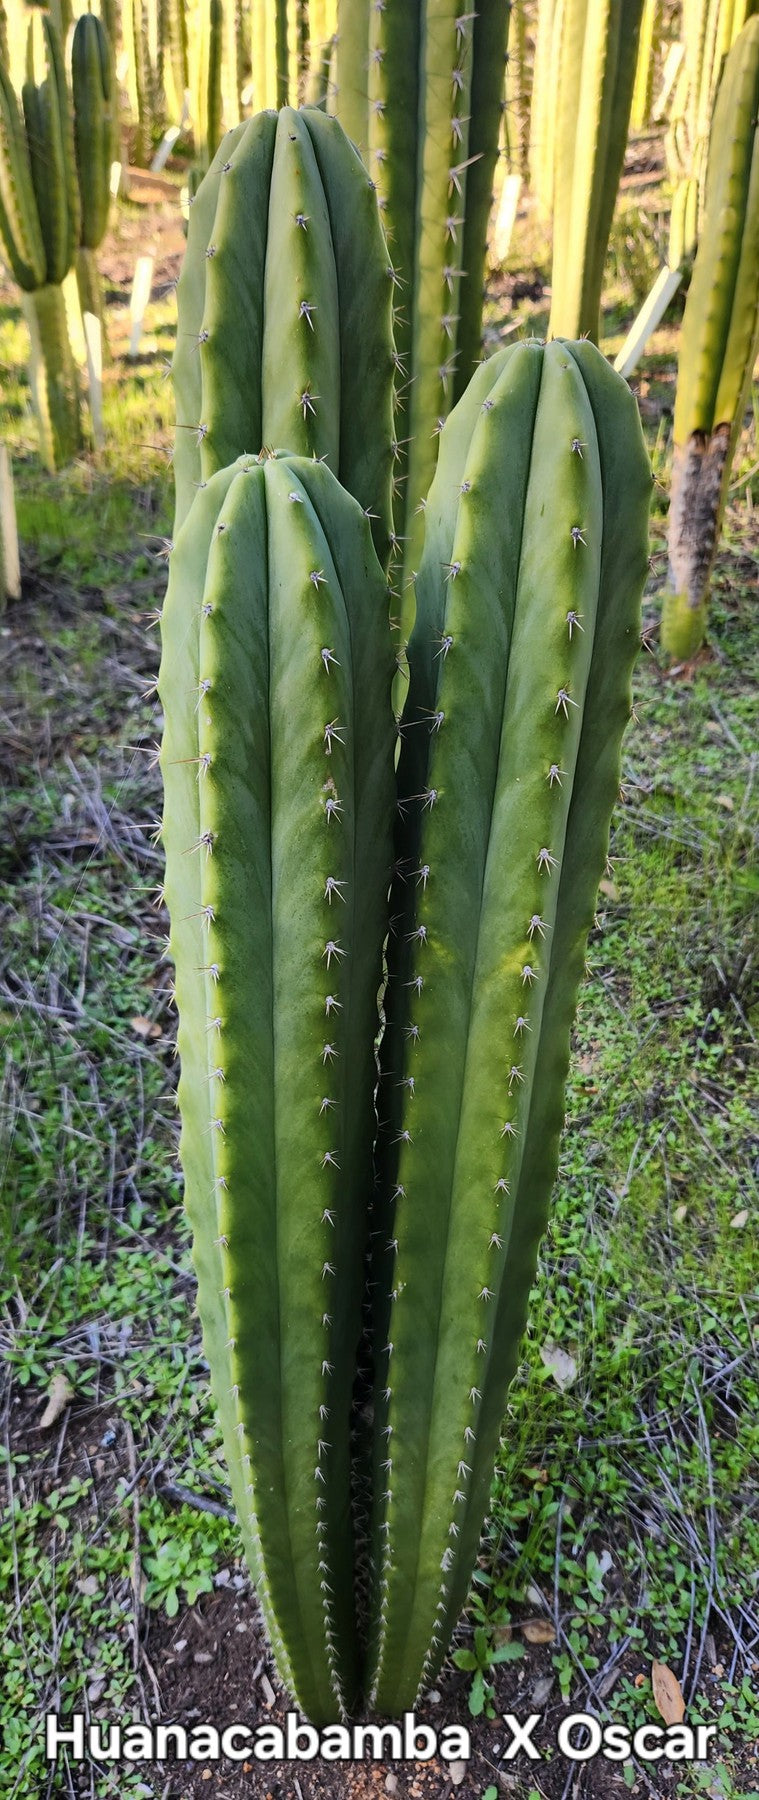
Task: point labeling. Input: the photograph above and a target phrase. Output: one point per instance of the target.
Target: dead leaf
(680, 1213)
(609, 888)
(560, 1365)
(668, 1694)
(726, 801)
(537, 1631)
(59, 1393)
(145, 1028)
(88, 1585)
(741, 1219)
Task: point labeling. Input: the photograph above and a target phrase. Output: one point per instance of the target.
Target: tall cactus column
(527, 627)
(96, 131)
(719, 345)
(596, 74)
(278, 769)
(39, 230)
(434, 74)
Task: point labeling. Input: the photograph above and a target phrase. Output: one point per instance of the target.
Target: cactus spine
(39, 228)
(311, 358)
(520, 686)
(597, 61)
(719, 345)
(278, 770)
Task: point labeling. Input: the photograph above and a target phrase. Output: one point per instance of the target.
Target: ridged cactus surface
(284, 332)
(96, 137)
(719, 345)
(528, 621)
(277, 762)
(596, 72)
(428, 128)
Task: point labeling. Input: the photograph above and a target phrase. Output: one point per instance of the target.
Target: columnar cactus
(709, 29)
(528, 606)
(205, 52)
(542, 108)
(434, 76)
(719, 345)
(277, 762)
(643, 87)
(39, 228)
(596, 72)
(284, 312)
(96, 133)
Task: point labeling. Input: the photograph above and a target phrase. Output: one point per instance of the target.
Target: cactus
(428, 127)
(542, 108)
(277, 762)
(284, 302)
(597, 59)
(643, 87)
(206, 46)
(517, 110)
(139, 25)
(39, 230)
(528, 606)
(10, 566)
(709, 29)
(96, 130)
(719, 345)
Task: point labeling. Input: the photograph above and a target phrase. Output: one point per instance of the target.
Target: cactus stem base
(683, 626)
(53, 376)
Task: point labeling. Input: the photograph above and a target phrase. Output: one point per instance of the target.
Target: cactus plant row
(719, 345)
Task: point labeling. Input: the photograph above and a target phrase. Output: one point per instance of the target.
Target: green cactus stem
(648, 44)
(53, 376)
(277, 762)
(39, 229)
(435, 77)
(96, 133)
(284, 312)
(719, 345)
(596, 72)
(528, 623)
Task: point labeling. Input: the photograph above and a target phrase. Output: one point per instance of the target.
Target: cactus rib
(488, 777)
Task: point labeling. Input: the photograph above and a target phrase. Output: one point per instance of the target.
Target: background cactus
(596, 72)
(284, 313)
(709, 29)
(96, 140)
(720, 342)
(205, 56)
(429, 132)
(39, 229)
(277, 833)
(527, 627)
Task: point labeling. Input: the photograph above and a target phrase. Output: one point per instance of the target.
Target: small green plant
(484, 1656)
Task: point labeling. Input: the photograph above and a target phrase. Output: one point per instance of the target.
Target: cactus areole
(371, 1093)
